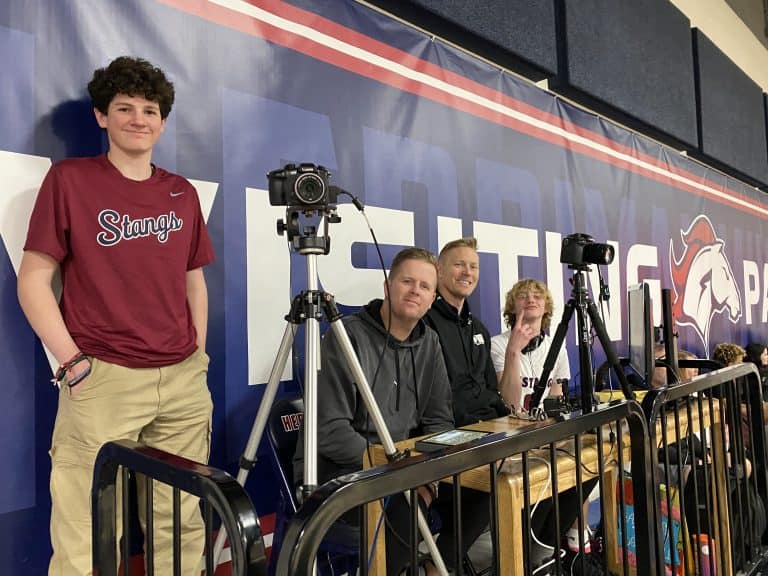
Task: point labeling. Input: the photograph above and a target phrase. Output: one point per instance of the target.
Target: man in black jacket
(466, 348)
(465, 341)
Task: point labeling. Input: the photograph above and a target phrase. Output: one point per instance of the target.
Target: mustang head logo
(702, 279)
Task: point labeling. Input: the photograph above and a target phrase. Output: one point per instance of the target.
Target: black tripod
(584, 306)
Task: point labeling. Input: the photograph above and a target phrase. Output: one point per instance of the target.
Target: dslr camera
(581, 249)
(302, 186)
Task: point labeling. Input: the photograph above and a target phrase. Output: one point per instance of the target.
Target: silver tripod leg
(381, 428)
(312, 362)
(257, 430)
(311, 366)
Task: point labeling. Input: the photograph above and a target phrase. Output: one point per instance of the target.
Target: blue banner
(435, 143)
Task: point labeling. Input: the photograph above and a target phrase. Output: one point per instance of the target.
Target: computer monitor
(640, 329)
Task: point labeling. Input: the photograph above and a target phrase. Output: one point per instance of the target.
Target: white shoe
(572, 538)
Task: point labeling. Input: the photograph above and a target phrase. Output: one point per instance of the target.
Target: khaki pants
(167, 408)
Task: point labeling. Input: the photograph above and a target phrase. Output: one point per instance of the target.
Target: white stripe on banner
(455, 91)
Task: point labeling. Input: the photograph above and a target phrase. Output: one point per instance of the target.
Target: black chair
(338, 553)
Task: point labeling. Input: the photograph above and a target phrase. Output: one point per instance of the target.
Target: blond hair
(727, 354)
(466, 242)
(526, 285)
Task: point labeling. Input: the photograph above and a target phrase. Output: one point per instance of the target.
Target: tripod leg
(353, 363)
(554, 350)
(610, 352)
(247, 460)
(311, 366)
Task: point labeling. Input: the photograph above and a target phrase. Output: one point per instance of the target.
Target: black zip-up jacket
(466, 346)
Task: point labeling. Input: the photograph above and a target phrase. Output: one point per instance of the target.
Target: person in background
(758, 354)
(728, 354)
(660, 372)
(130, 242)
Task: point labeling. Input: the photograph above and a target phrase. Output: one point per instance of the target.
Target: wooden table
(510, 498)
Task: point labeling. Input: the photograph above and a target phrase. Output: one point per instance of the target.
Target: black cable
(359, 205)
(603, 296)
(583, 466)
(294, 329)
(355, 200)
(665, 364)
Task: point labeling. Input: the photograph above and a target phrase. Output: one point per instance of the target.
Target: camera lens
(598, 253)
(309, 188)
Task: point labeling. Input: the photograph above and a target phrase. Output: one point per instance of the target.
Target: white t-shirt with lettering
(531, 364)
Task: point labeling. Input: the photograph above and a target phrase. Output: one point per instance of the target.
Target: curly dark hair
(132, 77)
(728, 354)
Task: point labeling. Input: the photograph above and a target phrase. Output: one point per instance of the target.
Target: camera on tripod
(581, 249)
(302, 186)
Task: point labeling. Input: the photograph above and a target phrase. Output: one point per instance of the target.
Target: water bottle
(706, 550)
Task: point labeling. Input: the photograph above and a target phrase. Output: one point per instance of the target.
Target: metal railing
(329, 502)
(217, 490)
(716, 467)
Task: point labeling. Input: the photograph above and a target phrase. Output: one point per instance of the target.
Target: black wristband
(61, 373)
(80, 377)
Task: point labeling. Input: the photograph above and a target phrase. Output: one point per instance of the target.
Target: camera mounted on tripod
(304, 189)
(579, 250)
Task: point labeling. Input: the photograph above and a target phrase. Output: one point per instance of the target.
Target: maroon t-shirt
(124, 248)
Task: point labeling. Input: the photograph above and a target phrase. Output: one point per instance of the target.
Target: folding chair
(339, 552)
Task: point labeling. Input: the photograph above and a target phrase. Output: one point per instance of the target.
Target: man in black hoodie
(466, 346)
(464, 339)
(404, 366)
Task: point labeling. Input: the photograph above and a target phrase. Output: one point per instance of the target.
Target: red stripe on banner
(255, 27)
(267, 523)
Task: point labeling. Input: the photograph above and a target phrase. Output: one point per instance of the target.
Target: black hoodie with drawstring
(466, 348)
(410, 385)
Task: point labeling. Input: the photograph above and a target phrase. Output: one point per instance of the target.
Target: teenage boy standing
(130, 242)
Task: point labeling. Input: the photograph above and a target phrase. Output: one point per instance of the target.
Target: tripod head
(301, 225)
